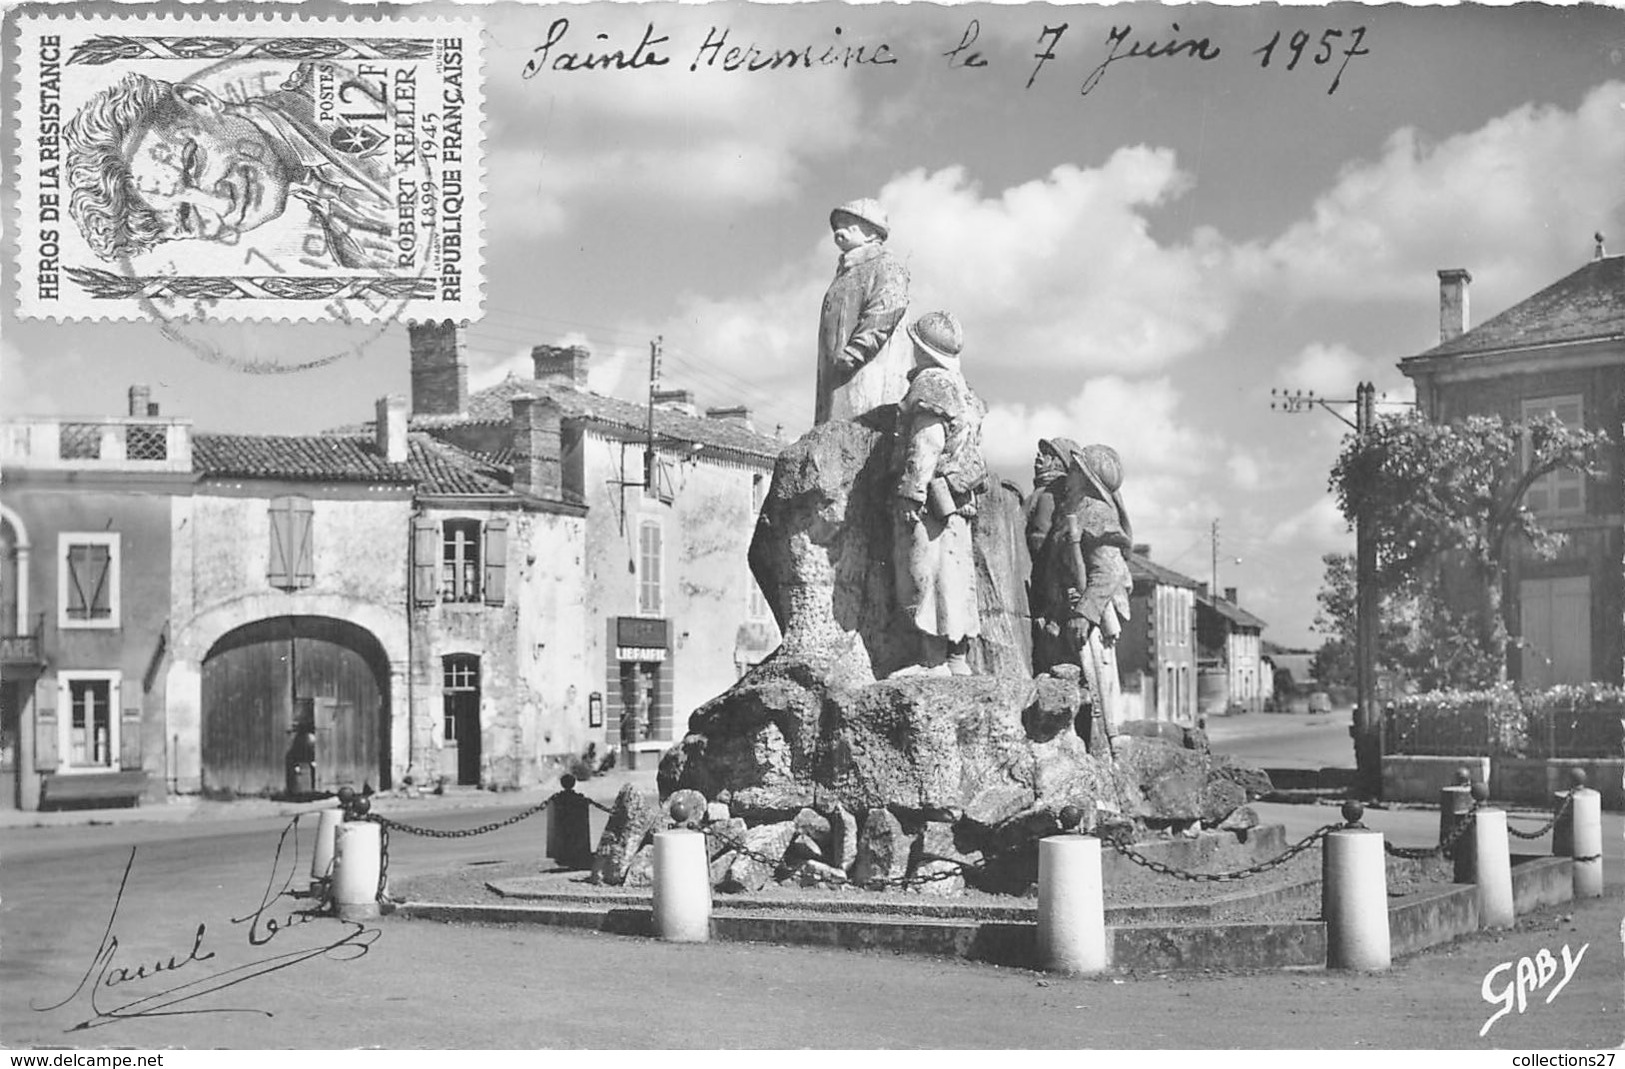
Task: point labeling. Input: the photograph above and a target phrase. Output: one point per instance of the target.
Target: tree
(1445, 506)
(1419, 636)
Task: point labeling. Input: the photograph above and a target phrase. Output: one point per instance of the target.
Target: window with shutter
(88, 580)
(460, 561)
(650, 599)
(1559, 492)
(291, 561)
(496, 559)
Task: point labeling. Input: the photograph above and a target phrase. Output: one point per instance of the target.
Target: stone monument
(883, 538)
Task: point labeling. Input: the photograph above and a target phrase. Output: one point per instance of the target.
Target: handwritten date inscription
(566, 50)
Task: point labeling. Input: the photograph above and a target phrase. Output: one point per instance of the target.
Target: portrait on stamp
(318, 172)
(151, 161)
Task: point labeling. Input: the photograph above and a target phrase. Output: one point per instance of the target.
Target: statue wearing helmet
(863, 359)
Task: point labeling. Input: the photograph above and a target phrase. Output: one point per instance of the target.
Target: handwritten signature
(108, 986)
(1529, 975)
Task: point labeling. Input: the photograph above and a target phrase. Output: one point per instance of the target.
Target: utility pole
(1367, 727)
(649, 433)
(1214, 574)
(1366, 730)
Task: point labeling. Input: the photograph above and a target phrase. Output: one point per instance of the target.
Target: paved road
(1285, 740)
(187, 962)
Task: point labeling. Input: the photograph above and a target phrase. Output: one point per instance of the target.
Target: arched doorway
(274, 690)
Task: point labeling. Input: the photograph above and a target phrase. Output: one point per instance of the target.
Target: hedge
(1576, 721)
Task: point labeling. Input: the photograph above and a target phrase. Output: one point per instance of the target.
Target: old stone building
(1560, 351)
(401, 602)
(265, 614)
(84, 603)
(672, 613)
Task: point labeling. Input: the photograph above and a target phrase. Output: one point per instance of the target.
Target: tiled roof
(1587, 304)
(431, 466)
(495, 404)
(1232, 612)
(1145, 568)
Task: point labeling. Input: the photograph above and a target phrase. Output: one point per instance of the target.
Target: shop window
(88, 731)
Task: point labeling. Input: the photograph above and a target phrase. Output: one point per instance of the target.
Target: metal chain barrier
(1546, 827)
(460, 833)
(1120, 844)
(385, 826)
(1445, 845)
(956, 867)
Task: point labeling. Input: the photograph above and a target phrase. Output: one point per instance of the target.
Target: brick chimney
(1230, 595)
(1453, 319)
(734, 414)
(389, 428)
(677, 401)
(536, 447)
(1201, 590)
(561, 365)
(139, 400)
(439, 379)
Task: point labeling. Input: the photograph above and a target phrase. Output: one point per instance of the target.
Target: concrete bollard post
(321, 858)
(1492, 854)
(1071, 905)
(358, 859)
(1586, 844)
(1354, 900)
(682, 887)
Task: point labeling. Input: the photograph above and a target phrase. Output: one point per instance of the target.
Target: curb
(1139, 938)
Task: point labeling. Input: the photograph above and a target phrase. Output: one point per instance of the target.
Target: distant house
(1561, 351)
(1157, 651)
(1229, 642)
(673, 615)
(1292, 675)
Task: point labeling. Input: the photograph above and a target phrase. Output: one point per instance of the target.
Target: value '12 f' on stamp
(222, 168)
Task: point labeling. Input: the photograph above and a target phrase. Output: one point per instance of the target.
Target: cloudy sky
(1139, 265)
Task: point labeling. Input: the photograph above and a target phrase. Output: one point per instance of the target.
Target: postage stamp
(220, 168)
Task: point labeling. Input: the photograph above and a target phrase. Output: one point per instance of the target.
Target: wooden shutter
(89, 595)
(425, 561)
(301, 527)
(129, 740)
(46, 754)
(291, 563)
(278, 570)
(496, 560)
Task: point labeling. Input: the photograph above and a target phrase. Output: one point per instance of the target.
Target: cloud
(1320, 527)
(663, 135)
(1515, 201)
(1164, 460)
(606, 369)
(1056, 277)
(1246, 469)
(1061, 272)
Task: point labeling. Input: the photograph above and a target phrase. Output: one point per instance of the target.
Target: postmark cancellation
(215, 168)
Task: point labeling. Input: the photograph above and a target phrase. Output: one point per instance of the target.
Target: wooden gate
(260, 678)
